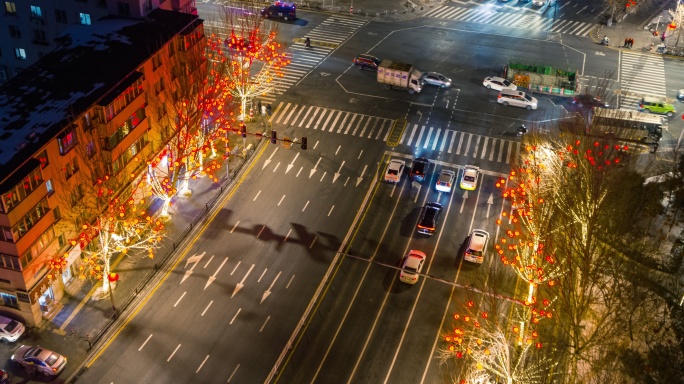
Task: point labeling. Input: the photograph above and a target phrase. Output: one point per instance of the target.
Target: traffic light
(244, 130)
(274, 137)
(304, 142)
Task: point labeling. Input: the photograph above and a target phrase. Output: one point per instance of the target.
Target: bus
(627, 125)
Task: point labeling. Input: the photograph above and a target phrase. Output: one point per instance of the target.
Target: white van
(517, 99)
(477, 244)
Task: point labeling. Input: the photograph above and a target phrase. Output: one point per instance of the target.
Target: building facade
(73, 107)
(30, 29)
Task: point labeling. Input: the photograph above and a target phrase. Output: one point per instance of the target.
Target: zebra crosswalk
(325, 38)
(640, 75)
(497, 16)
(415, 135)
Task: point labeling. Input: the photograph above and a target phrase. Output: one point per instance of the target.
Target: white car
(469, 177)
(445, 180)
(39, 359)
(434, 78)
(477, 245)
(410, 269)
(498, 83)
(395, 169)
(10, 330)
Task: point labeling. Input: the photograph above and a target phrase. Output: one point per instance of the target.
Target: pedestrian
(268, 109)
(263, 110)
(662, 37)
(631, 42)
(626, 42)
(259, 105)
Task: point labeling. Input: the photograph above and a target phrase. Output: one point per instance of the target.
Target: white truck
(400, 76)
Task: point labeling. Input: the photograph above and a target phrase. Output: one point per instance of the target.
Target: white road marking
(234, 317)
(263, 326)
(146, 340)
(180, 298)
(173, 353)
(207, 307)
(235, 268)
(201, 365)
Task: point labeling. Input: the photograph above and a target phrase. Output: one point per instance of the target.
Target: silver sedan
(434, 78)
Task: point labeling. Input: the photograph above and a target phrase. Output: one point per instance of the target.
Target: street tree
(256, 58)
(103, 210)
(486, 338)
(191, 113)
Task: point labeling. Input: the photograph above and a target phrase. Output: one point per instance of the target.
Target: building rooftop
(93, 61)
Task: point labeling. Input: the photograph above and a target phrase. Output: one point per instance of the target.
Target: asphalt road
(257, 264)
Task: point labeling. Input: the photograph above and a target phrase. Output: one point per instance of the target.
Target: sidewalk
(633, 26)
(81, 320)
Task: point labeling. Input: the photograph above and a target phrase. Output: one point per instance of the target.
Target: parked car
(10, 329)
(429, 220)
(469, 177)
(680, 95)
(411, 267)
(437, 79)
(395, 169)
(280, 9)
(41, 359)
(656, 105)
(498, 84)
(445, 180)
(418, 169)
(476, 247)
(589, 101)
(366, 62)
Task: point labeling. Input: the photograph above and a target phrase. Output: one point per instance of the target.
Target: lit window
(85, 18)
(20, 53)
(36, 12)
(10, 8)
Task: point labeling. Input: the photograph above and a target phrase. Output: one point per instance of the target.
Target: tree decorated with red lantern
(570, 192)
(488, 341)
(525, 245)
(256, 58)
(191, 104)
(122, 226)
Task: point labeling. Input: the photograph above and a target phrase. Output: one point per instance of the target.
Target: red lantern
(112, 277)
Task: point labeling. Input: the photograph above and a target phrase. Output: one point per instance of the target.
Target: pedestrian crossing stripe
(640, 75)
(511, 19)
(379, 128)
(325, 38)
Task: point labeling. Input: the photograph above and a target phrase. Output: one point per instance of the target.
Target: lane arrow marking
(337, 174)
(213, 277)
(490, 201)
(314, 168)
(268, 291)
(465, 197)
(360, 178)
(289, 166)
(241, 283)
(192, 259)
(268, 161)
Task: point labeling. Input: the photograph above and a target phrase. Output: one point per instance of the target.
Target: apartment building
(30, 29)
(87, 97)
